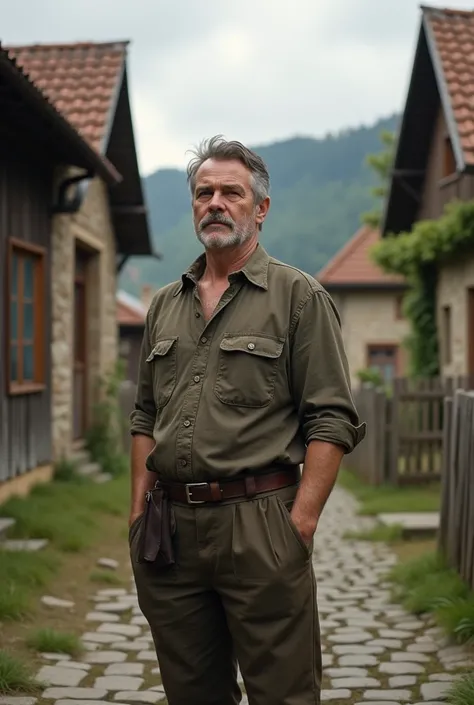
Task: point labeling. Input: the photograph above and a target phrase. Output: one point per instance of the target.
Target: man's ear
(262, 210)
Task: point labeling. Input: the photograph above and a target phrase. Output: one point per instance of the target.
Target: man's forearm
(142, 479)
(320, 470)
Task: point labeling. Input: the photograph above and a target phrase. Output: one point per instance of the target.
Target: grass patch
(72, 516)
(462, 692)
(65, 470)
(65, 513)
(20, 573)
(52, 641)
(105, 577)
(386, 499)
(15, 676)
(427, 585)
(387, 534)
(14, 602)
(457, 619)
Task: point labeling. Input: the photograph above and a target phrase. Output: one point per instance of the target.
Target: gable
(353, 267)
(441, 79)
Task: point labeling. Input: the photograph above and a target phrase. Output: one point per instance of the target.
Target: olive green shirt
(251, 387)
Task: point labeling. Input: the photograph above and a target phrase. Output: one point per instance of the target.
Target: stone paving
(374, 653)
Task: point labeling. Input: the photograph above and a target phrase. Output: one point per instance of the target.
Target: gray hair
(223, 150)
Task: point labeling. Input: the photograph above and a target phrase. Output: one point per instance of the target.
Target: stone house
(131, 315)
(369, 302)
(434, 164)
(37, 145)
(103, 222)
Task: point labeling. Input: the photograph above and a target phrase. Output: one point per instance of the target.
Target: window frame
(38, 384)
(446, 334)
(380, 346)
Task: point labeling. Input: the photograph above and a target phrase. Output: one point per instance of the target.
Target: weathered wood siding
(25, 203)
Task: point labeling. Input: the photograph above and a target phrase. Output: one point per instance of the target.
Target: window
(446, 334)
(449, 161)
(383, 358)
(399, 304)
(26, 303)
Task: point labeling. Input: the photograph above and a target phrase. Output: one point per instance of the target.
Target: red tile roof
(130, 311)
(453, 35)
(81, 80)
(353, 265)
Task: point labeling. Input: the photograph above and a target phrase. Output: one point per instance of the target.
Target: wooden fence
(404, 442)
(456, 535)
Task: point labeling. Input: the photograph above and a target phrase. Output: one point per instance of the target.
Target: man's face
(224, 210)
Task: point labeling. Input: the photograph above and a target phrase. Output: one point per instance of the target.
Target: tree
(381, 163)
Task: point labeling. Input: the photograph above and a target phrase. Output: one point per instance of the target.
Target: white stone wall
(454, 281)
(92, 227)
(370, 317)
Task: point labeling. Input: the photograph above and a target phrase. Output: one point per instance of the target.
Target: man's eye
(204, 194)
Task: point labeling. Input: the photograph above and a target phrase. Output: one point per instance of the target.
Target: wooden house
(71, 190)
(434, 165)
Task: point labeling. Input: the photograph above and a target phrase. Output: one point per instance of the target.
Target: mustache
(216, 217)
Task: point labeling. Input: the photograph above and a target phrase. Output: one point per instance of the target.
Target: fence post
(446, 475)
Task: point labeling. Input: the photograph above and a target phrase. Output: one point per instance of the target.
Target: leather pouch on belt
(156, 544)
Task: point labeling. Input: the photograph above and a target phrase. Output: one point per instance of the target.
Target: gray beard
(217, 240)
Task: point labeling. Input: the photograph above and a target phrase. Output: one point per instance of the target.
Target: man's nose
(217, 202)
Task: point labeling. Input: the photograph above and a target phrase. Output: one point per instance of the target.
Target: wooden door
(470, 332)
(80, 346)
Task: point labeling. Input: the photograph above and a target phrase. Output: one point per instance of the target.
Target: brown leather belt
(218, 491)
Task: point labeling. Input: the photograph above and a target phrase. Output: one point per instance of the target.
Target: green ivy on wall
(416, 255)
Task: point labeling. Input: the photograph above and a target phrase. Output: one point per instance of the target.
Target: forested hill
(319, 189)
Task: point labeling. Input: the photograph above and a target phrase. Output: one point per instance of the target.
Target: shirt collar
(255, 270)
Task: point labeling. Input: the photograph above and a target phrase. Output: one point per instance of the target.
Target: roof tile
(453, 33)
(354, 265)
(80, 79)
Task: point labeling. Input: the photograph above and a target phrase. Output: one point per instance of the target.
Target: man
(242, 378)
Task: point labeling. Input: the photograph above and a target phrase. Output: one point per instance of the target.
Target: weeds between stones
(52, 641)
(15, 676)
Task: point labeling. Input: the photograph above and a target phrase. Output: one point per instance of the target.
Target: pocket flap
(262, 346)
(162, 347)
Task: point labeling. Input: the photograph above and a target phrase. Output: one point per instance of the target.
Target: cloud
(256, 70)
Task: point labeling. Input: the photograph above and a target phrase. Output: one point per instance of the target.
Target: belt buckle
(189, 492)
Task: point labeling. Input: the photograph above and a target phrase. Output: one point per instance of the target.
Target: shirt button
(197, 314)
(187, 423)
(251, 346)
(203, 340)
(197, 378)
(183, 462)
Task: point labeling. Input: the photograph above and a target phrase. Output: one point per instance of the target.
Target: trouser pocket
(265, 542)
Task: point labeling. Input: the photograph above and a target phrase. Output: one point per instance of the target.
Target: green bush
(104, 438)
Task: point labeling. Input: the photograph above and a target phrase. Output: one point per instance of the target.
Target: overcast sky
(254, 70)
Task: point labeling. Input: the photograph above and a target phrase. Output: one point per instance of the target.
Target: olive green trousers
(242, 590)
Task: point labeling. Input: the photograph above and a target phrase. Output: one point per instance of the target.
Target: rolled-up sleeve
(320, 375)
(142, 419)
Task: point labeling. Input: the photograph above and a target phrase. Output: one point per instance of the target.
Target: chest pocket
(163, 361)
(247, 369)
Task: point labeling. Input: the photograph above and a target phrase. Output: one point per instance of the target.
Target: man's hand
(320, 470)
(306, 525)
(133, 516)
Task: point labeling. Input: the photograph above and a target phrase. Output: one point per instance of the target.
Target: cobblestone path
(373, 651)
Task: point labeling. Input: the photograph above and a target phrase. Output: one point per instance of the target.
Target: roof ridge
(446, 10)
(69, 45)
